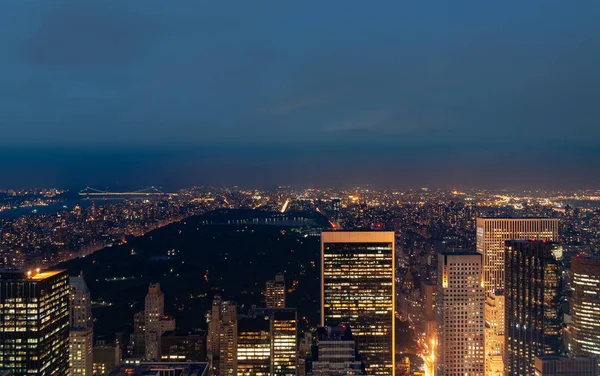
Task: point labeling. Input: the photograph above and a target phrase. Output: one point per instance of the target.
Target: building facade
(336, 352)
(81, 337)
(107, 356)
(34, 322)
(565, 366)
(267, 342)
(358, 288)
(494, 334)
(275, 293)
(177, 346)
(460, 344)
(532, 304)
(585, 305)
(492, 233)
(156, 323)
(254, 346)
(221, 342)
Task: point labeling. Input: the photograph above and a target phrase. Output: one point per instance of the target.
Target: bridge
(147, 192)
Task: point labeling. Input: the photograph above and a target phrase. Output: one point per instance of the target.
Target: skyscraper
(357, 288)
(34, 322)
(494, 334)
(254, 346)
(154, 310)
(138, 338)
(284, 339)
(81, 335)
(460, 314)
(492, 233)
(275, 294)
(585, 305)
(267, 342)
(532, 304)
(221, 342)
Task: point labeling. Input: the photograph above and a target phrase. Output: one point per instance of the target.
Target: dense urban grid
(405, 282)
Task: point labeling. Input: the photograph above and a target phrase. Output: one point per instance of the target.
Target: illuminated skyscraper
(34, 323)
(254, 346)
(81, 335)
(153, 312)
(585, 305)
(221, 342)
(284, 339)
(358, 289)
(275, 295)
(494, 334)
(267, 342)
(460, 304)
(492, 233)
(532, 304)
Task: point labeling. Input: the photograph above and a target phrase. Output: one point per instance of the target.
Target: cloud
(73, 34)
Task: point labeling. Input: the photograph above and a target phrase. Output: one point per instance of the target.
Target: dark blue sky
(392, 93)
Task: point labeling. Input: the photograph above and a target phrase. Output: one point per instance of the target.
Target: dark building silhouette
(532, 306)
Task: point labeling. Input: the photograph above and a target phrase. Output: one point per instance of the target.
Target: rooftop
(158, 368)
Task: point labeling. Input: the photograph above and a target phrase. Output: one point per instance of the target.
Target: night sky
(314, 93)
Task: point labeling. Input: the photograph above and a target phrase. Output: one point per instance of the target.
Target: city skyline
(335, 188)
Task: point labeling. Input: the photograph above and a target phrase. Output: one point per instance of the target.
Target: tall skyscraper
(585, 305)
(284, 340)
(267, 342)
(275, 294)
(221, 342)
(254, 346)
(154, 310)
(34, 323)
(494, 334)
(532, 304)
(357, 288)
(492, 233)
(81, 337)
(460, 314)
(337, 354)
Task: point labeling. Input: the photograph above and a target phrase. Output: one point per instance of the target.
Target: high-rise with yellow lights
(221, 342)
(494, 334)
(585, 305)
(492, 233)
(81, 336)
(460, 344)
(275, 294)
(357, 288)
(34, 322)
(267, 342)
